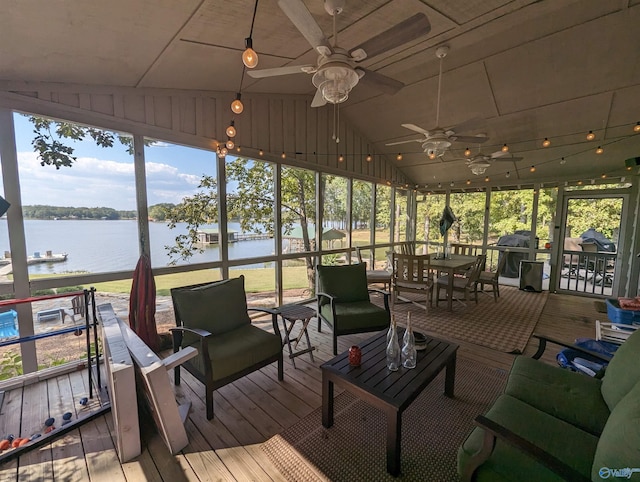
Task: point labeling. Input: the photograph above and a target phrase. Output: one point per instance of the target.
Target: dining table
(449, 265)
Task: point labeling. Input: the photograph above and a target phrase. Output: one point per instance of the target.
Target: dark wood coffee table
(390, 391)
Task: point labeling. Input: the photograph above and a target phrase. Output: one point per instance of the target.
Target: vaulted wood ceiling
(530, 69)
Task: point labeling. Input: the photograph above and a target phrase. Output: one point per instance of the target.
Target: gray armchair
(213, 317)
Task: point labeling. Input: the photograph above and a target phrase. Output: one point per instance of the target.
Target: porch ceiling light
(478, 169)
(334, 82)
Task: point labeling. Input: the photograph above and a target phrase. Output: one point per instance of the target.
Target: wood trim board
(121, 380)
(154, 380)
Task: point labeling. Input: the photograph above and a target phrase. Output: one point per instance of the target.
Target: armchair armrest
(542, 345)
(274, 317)
(332, 299)
(177, 339)
(494, 431)
(384, 293)
(378, 290)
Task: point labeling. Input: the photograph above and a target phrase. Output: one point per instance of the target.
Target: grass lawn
(257, 280)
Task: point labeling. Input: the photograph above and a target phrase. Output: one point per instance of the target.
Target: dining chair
(463, 284)
(412, 273)
(492, 277)
(377, 276)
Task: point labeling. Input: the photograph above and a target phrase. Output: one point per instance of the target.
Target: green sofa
(551, 424)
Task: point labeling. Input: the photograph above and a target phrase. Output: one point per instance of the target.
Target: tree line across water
(156, 212)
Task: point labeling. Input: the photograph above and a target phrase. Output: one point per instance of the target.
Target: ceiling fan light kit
(334, 81)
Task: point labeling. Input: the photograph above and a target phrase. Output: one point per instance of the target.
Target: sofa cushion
(619, 444)
(623, 372)
(195, 306)
(569, 396)
(571, 445)
(347, 283)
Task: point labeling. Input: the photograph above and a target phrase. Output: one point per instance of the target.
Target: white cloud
(96, 182)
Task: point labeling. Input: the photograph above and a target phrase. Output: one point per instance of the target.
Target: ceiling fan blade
(514, 159)
(404, 142)
(318, 100)
(471, 139)
(290, 69)
(381, 82)
(414, 127)
(399, 34)
(305, 23)
(469, 125)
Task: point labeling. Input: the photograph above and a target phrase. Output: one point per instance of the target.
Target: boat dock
(6, 265)
(212, 236)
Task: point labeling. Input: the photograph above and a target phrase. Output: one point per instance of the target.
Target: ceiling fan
(480, 162)
(336, 71)
(437, 141)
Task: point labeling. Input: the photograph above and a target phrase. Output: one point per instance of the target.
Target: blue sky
(105, 177)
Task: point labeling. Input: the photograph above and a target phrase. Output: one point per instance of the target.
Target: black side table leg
(450, 376)
(394, 436)
(327, 402)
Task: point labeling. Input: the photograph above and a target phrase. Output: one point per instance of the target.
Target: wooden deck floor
(247, 413)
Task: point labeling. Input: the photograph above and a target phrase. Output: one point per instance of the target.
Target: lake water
(103, 246)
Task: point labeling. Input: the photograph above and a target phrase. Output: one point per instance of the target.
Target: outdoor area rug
(354, 448)
(505, 326)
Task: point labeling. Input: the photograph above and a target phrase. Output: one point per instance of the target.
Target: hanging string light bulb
(231, 130)
(237, 106)
(249, 56)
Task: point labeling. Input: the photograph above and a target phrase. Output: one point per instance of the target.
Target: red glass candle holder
(355, 356)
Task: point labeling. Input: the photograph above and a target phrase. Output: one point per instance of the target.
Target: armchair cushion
(356, 316)
(236, 350)
(347, 283)
(559, 393)
(619, 444)
(228, 298)
(623, 371)
(568, 443)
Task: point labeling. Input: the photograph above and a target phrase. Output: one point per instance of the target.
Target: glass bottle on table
(393, 347)
(409, 354)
